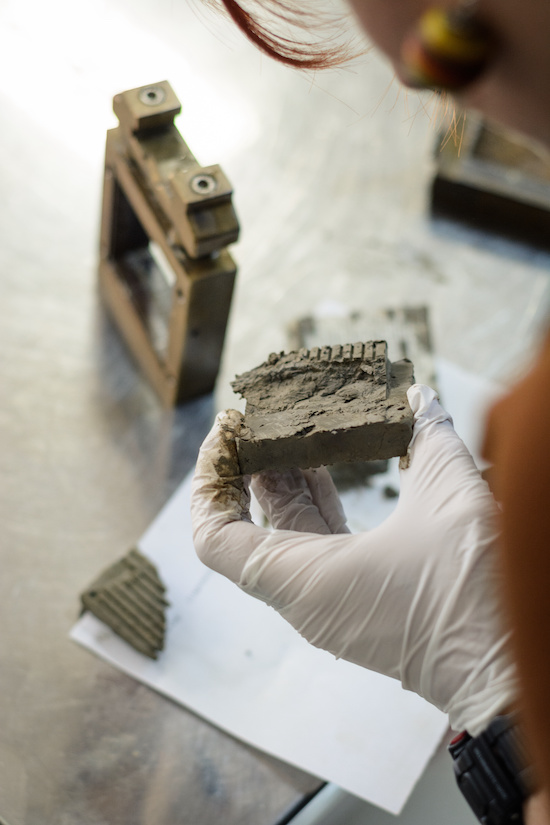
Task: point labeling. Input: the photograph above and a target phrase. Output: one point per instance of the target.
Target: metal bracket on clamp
(165, 273)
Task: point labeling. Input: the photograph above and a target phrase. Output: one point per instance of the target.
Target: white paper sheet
(237, 663)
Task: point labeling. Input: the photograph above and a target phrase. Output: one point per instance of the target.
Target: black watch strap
(492, 772)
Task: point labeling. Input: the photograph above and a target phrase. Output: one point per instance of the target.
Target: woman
(419, 598)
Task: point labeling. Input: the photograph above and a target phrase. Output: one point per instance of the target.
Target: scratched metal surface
(330, 175)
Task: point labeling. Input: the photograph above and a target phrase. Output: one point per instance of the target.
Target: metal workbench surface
(331, 174)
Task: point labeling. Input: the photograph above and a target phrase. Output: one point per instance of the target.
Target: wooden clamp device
(165, 273)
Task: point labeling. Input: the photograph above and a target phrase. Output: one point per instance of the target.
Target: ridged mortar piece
(323, 406)
(129, 597)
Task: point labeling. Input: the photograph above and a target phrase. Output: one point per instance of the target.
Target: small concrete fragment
(129, 598)
(324, 405)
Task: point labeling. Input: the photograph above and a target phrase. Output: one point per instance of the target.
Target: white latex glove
(415, 598)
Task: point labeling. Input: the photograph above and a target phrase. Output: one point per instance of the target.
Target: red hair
(299, 53)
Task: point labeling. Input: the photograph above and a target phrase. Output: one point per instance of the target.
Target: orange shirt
(517, 443)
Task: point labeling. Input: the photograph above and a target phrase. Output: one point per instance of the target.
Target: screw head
(203, 184)
(152, 95)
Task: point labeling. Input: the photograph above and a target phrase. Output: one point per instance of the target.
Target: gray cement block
(323, 406)
(129, 597)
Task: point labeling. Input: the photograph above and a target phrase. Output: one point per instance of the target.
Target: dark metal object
(129, 598)
(494, 180)
(492, 773)
(165, 273)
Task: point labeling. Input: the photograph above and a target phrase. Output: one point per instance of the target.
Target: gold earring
(447, 50)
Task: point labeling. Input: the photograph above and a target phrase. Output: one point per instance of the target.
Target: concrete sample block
(129, 597)
(324, 405)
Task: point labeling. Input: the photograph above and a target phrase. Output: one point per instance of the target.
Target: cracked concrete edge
(384, 434)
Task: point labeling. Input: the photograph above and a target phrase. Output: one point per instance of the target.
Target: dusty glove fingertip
(232, 420)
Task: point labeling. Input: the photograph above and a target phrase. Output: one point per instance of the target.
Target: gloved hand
(416, 598)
